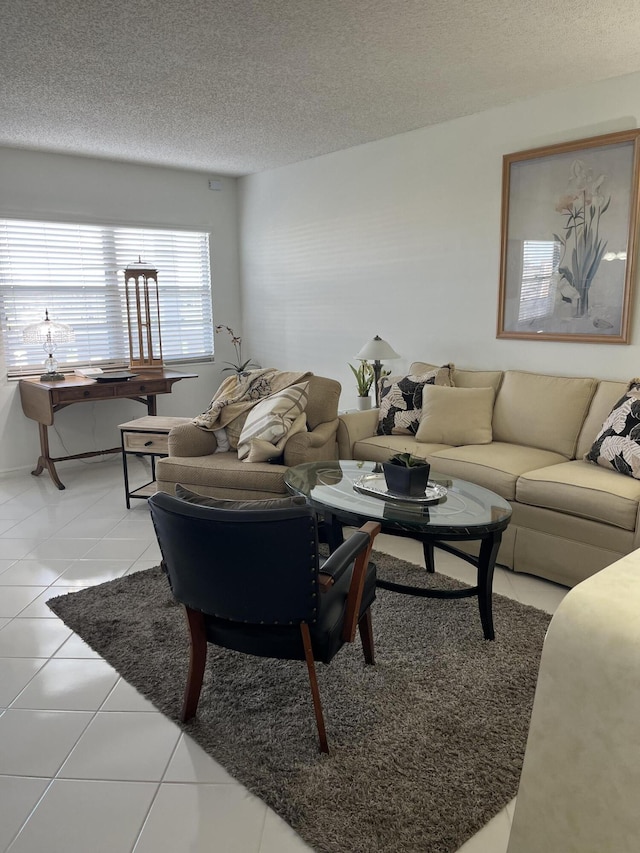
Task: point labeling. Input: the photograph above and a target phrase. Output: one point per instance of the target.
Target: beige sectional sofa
(571, 518)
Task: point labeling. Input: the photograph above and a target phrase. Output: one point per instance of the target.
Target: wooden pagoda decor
(143, 317)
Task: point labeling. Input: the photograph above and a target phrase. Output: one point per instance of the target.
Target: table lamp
(377, 351)
(49, 333)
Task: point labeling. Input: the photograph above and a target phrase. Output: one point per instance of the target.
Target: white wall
(401, 238)
(75, 189)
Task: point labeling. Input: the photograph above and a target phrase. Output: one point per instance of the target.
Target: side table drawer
(72, 394)
(146, 442)
(141, 386)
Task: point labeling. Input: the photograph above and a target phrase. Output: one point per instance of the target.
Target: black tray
(376, 486)
(116, 376)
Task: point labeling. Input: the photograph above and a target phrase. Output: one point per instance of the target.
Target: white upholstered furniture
(580, 782)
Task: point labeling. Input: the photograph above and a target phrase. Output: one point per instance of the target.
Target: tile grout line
(28, 818)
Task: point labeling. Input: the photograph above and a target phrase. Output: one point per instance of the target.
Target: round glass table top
(351, 488)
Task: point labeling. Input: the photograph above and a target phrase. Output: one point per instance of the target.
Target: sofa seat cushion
(379, 448)
(578, 488)
(222, 471)
(495, 466)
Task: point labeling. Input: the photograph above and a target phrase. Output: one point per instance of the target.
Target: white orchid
(239, 366)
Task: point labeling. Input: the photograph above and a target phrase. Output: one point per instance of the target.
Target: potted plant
(364, 380)
(406, 474)
(239, 366)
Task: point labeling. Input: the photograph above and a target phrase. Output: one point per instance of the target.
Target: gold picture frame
(568, 240)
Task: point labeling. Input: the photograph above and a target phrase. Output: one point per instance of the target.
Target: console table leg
(44, 460)
(486, 564)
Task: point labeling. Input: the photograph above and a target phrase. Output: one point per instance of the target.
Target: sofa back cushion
(477, 379)
(542, 411)
(465, 378)
(419, 367)
(606, 396)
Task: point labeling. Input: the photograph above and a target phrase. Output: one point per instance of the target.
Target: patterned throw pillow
(401, 400)
(618, 443)
(272, 418)
(272, 451)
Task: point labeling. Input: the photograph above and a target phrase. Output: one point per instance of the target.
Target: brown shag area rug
(426, 746)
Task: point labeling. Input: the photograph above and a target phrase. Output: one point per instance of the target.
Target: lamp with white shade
(49, 333)
(377, 351)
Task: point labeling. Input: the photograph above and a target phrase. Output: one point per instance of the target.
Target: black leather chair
(252, 580)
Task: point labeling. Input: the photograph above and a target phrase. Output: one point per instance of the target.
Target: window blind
(75, 271)
(540, 260)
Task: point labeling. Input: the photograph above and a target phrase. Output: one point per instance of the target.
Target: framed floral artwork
(569, 222)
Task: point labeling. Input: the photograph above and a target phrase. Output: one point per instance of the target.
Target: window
(540, 259)
(75, 272)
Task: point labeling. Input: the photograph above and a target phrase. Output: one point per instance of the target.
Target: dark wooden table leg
(486, 564)
(333, 531)
(429, 556)
(44, 460)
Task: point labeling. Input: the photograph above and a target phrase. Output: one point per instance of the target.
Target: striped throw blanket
(238, 394)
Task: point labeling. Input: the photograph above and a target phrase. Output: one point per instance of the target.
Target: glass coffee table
(351, 492)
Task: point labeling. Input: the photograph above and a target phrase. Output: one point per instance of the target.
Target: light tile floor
(86, 763)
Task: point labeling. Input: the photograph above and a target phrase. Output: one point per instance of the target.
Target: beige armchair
(193, 462)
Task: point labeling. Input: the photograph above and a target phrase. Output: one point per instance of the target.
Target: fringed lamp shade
(49, 333)
(143, 317)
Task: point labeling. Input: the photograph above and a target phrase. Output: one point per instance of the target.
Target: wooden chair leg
(315, 693)
(365, 628)
(197, 660)
(354, 598)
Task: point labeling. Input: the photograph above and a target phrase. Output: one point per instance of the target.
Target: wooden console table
(41, 400)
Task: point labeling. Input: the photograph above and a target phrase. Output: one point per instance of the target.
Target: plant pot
(406, 481)
(364, 403)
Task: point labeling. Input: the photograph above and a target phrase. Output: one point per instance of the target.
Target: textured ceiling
(245, 85)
